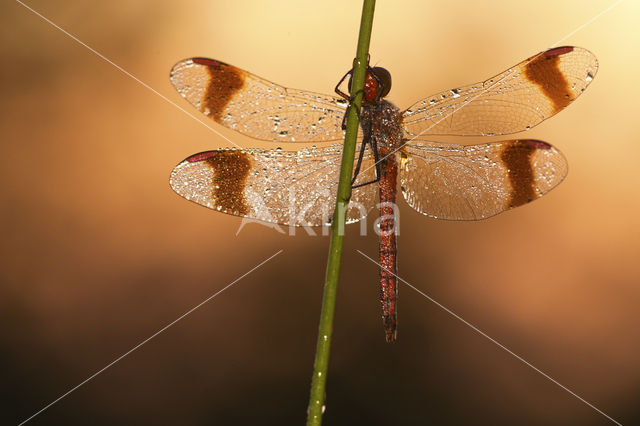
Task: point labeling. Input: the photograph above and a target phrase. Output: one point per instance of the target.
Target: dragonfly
(440, 180)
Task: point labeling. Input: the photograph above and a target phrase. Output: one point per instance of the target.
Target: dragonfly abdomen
(382, 125)
(387, 246)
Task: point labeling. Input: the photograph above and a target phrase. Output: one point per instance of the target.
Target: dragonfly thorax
(383, 124)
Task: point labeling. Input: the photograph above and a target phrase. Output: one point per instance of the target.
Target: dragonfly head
(377, 84)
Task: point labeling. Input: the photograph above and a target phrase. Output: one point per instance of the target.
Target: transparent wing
(256, 107)
(286, 187)
(458, 182)
(515, 100)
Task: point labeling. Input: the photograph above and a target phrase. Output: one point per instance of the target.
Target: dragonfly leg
(340, 92)
(350, 72)
(359, 163)
(374, 148)
(351, 97)
(351, 105)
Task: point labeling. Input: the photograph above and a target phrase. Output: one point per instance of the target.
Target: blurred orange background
(98, 253)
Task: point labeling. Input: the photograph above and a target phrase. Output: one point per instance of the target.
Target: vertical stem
(325, 330)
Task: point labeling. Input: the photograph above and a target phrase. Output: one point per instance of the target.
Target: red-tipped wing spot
(535, 143)
(559, 50)
(209, 62)
(201, 156)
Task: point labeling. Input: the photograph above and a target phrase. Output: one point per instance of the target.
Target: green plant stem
(325, 330)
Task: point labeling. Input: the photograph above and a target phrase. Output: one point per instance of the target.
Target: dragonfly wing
(473, 182)
(294, 188)
(256, 107)
(515, 100)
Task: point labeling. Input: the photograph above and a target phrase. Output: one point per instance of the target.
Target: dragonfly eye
(384, 80)
(377, 84)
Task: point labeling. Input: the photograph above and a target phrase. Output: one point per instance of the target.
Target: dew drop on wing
(589, 77)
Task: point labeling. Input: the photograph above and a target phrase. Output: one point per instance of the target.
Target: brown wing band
(230, 171)
(516, 156)
(225, 80)
(543, 70)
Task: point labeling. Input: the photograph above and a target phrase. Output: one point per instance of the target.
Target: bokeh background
(97, 252)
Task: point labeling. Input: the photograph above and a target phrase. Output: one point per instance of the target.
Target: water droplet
(455, 93)
(589, 77)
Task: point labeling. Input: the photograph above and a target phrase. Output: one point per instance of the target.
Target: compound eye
(384, 78)
(377, 84)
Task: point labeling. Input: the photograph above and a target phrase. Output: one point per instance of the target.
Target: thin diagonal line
(464, 104)
(467, 323)
(587, 23)
(152, 336)
(76, 39)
